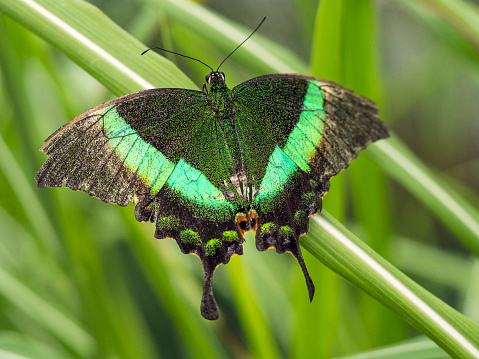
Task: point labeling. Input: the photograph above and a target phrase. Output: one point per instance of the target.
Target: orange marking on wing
(240, 219)
(254, 215)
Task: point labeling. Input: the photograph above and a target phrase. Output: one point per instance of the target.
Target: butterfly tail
(214, 254)
(209, 308)
(309, 282)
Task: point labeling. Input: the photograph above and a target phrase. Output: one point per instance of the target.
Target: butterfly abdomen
(233, 151)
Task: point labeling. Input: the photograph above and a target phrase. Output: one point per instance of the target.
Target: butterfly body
(207, 167)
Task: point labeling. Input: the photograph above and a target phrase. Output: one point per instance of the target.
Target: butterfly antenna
(175, 53)
(237, 47)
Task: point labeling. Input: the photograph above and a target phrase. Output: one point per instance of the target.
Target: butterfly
(208, 166)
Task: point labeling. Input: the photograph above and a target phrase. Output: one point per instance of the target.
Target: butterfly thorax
(220, 95)
(222, 108)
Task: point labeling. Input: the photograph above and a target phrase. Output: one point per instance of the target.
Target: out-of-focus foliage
(82, 279)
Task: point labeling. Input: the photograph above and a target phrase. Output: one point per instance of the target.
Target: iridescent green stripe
(154, 169)
(151, 165)
(278, 175)
(202, 198)
(306, 135)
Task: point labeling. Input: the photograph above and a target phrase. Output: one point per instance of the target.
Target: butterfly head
(214, 77)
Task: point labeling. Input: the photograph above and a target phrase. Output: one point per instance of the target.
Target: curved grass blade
(461, 15)
(463, 219)
(252, 318)
(342, 50)
(40, 310)
(417, 348)
(341, 251)
(257, 53)
(96, 44)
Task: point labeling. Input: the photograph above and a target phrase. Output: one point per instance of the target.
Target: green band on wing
(146, 161)
(202, 198)
(230, 236)
(307, 133)
(278, 175)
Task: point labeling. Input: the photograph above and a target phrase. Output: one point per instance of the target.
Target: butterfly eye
(208, 78)
(222, 75)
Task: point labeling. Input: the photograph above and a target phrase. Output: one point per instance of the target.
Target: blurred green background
(82, 279)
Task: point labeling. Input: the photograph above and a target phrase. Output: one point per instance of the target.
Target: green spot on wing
(170, 223)
(268, 228)
(299, 217)
(230, 236)
(285, 232)
(306, 135)
(212, 246)
(189, 236)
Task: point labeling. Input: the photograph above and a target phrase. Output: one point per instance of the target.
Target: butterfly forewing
(108, 151)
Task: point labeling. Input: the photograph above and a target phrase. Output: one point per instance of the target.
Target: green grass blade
(34, 210)
(79, 30)
(256, 53)
(461, 15)
(252, 318)
(343, 45)
(417, 348)
(453, 265)
(16, 346)
(345, 254)
(50, 317)
(463, 219)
